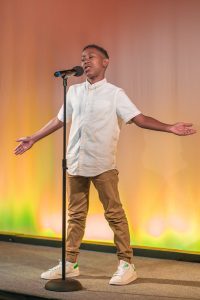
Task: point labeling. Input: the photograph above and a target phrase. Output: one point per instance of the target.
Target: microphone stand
(64, 284)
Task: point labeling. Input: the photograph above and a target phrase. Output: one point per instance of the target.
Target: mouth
(87, 69)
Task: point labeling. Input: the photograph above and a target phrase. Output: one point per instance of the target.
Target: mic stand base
(63, 285)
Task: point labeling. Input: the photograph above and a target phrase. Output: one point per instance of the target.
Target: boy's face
(94, 64)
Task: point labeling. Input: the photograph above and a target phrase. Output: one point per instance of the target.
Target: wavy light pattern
(154, 48)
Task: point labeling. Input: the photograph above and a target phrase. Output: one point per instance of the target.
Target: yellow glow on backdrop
(154, 48)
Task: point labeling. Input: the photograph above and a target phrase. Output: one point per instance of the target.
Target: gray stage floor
(21, 265)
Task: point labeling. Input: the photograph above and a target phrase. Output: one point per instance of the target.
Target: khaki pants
(78, 194)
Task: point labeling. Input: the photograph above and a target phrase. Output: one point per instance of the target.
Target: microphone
(76, 71)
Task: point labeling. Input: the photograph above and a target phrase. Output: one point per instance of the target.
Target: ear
(105, 62)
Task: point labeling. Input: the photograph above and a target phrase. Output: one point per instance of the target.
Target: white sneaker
(71, 270)
(124, 275)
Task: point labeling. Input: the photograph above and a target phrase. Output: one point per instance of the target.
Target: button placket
(85, 119)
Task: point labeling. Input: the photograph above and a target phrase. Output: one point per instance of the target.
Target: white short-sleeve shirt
(95, 111)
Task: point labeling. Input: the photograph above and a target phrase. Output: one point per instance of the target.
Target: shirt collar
(95, 85)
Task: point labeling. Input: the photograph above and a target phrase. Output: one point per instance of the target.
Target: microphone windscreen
(79, 71)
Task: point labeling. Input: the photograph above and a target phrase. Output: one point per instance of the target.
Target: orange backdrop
(154, 48)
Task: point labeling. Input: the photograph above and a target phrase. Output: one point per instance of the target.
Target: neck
(95, 79)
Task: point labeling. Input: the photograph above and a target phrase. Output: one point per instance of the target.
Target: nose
(86, 60)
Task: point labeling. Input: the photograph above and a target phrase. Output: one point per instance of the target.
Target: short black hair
(102, 50)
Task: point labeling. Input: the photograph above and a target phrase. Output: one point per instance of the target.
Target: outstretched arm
(29, 141)
(146, 122)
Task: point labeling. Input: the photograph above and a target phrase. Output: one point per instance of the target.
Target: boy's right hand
(26, 144)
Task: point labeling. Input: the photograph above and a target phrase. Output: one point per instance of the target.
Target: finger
(21, 139)
(190, 131)
(193, 131)
(20, 149)
(188, 124)
(16, 149)
(19, 145)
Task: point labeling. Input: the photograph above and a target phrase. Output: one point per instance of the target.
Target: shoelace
(56, 267)
(119, 271)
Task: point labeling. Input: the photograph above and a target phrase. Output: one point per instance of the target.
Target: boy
(95, 108)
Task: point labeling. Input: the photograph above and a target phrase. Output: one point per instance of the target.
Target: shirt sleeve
(126, 109)
(60, 114)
